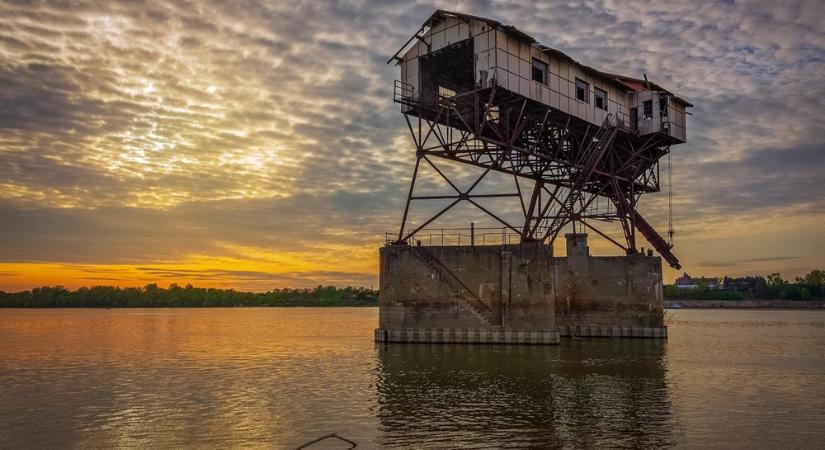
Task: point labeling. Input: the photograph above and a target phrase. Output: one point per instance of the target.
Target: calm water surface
(275, 378)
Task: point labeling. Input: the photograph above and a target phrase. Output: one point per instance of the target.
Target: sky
(254, 144)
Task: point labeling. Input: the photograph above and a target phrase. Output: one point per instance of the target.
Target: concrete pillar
(506, 286)
(577, 253)
(577, 245)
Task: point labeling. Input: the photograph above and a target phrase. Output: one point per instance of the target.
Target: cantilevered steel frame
(570, 163)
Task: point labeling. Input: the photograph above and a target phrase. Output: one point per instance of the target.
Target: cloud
(138, 133)
(771, 259)
(748, 260)
(763, 179)
(116, 235)
(307, 278)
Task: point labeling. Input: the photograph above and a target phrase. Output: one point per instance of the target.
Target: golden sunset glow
(251, 268)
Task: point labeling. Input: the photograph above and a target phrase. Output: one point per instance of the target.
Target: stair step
(429, 261)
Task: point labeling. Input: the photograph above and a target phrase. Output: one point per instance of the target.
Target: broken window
(600, 98)
(662, 106)
(445, 92)
(582, 91)
(648, 109)
(539, 71)
(450, 68)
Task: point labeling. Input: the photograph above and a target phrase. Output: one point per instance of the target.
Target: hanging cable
(670, 230)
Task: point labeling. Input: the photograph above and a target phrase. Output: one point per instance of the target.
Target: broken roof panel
(634, 84)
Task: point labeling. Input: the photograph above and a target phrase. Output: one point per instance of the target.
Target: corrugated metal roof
(629, 82)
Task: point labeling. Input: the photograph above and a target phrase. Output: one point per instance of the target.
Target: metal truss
(565, 170)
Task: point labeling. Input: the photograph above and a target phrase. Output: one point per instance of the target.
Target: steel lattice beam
(571, 163)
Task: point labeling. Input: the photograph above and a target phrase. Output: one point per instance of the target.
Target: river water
(278, 377)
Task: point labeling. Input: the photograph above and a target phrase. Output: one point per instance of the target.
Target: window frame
(647, 109)
(586, 87)
(543, 66)
(596, 92)
(444, 91)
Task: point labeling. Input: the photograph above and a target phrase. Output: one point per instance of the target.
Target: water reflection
(607, 393)
(278, 377)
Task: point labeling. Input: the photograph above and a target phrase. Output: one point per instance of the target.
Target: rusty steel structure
(565, 170)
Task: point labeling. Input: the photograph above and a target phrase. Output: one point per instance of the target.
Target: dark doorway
(449, 68)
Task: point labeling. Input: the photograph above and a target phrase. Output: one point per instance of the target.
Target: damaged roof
(632, 83)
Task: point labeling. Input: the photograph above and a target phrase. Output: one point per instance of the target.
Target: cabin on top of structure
(453, 53)
(585, 144)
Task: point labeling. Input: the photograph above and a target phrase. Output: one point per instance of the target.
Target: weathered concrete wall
(617, 291)
(490, 293)
(467, 287)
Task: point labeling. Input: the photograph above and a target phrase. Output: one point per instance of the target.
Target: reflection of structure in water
(584, 393)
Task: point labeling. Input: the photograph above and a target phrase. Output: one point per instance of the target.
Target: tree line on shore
(152, 296)
(811, 286)
(772, 287)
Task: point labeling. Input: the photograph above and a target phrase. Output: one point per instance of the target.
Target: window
(582, 91)
(445, 92)
(539, 71)
(600, 98)
(662, 106)
(648, 109)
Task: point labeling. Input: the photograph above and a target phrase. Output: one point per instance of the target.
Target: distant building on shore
(743, 284)
(687, 282)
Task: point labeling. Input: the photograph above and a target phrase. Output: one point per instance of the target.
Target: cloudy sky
(255, 144)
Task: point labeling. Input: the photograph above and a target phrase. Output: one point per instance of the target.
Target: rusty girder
(571, 163)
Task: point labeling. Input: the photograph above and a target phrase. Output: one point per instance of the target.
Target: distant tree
(775, 279)
(815, 278)
(153, 296)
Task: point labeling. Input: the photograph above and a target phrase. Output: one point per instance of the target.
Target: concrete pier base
(500, 294)
(467, 336)
(612, 331)
(516, 294)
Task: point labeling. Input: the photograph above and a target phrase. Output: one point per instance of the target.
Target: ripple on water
(274, 378)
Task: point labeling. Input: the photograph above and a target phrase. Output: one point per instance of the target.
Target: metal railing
(459, 236)
(404, 93)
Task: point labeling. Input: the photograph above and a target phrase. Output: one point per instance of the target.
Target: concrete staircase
(465, 296)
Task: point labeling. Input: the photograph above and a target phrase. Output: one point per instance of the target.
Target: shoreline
(190, 307)
(667, 304)
(744, 304)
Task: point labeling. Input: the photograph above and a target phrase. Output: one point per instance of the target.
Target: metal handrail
(404, 93)
(459, 236)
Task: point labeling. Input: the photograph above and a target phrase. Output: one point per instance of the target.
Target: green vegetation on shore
(152, 296)
(772, 287)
